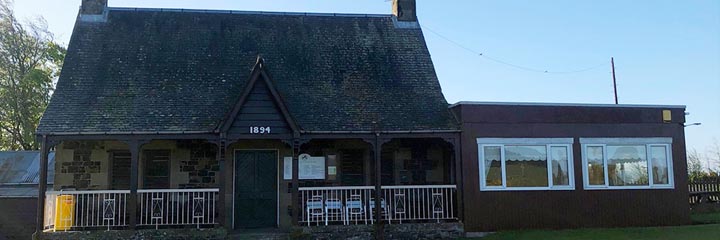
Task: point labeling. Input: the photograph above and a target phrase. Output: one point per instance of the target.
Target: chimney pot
(404, 10)
(93, 7)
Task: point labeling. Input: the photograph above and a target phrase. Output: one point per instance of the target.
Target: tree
(713, 153)
(694, 165)
(29, 62)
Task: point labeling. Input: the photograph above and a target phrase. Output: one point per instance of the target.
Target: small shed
(19, 177)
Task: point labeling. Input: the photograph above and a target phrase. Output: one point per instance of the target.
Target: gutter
(381, 132)
(21, 184)
(11, 196)
(215, 132)
(124, 133)
(541, 104)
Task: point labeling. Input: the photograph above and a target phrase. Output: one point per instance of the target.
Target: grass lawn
(706, 218)
(700, 232)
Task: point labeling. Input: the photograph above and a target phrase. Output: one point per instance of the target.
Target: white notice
(309, 167)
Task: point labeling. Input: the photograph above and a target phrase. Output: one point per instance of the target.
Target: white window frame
(647, 142)
(547, 142)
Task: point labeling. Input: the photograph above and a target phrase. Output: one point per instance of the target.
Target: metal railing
(163, 207)
(420, 202)
(73, 210)
(66, 210)
(345, 205)
(356, 205)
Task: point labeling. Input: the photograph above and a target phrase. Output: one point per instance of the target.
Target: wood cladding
(260, 110)
(502, 210)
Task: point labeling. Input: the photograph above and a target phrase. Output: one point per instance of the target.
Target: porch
(247, 184)
(198, 208)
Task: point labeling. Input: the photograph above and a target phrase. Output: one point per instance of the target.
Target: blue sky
(666, 52)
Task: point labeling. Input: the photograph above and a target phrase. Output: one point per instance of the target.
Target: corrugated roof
(23, 167)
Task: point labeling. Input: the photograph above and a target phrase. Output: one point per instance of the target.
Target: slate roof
(152, 70)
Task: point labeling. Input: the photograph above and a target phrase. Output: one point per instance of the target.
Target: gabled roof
(151, 70)
(259, 77)
(23, 167)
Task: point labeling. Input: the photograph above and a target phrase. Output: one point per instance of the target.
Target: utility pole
(612, 64)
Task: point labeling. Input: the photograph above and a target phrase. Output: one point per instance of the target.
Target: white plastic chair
(333, 206)
(354, 208)
(314, 208)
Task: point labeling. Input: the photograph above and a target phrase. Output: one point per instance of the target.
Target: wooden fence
(704, 190)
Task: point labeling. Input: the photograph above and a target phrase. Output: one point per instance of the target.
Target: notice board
(309, 167)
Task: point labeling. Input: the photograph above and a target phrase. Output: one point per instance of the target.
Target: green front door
(256, 188)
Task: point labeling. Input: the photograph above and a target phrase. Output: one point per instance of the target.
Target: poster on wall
(309, 167)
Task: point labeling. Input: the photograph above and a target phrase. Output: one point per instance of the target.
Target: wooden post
(458, 178)
(295, 182)
(42, 187)
(134, 146)
(228, 183)
(221, 183)
(379, 232)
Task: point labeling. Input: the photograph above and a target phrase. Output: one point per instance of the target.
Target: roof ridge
(314, 14)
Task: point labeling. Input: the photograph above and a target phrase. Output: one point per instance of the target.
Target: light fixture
(692, 124)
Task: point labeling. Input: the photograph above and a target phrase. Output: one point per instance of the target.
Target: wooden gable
(260, 110)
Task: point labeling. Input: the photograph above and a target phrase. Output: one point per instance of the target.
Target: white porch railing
(356, 205)
(71, 210)
(344, 205)
(66, 210)
(162, 207)
(421, 202)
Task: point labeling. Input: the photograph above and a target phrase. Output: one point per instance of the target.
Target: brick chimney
(404, 10)
(93, 10)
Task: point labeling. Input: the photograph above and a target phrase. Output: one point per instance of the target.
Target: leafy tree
(29, 62)
(714, 153)
(694, 165)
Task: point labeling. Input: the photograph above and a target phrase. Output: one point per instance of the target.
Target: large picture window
(525, 164)
(627, 163)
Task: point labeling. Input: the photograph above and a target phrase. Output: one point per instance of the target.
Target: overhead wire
(496, 60)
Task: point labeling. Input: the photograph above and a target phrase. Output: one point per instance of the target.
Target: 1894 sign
(259, 130)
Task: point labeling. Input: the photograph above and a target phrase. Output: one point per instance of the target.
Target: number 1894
(259, 130)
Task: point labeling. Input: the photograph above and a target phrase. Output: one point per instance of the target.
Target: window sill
(630, 188)
(525, 189)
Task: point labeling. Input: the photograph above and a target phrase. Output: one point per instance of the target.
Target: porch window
(119, 170)
(352, 167)
(627, 163)
(157, 169)
(525, 164)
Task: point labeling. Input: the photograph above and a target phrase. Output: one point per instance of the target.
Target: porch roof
(160, 70)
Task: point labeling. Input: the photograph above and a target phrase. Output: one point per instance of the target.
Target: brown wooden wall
(502, 210)
(17, 217)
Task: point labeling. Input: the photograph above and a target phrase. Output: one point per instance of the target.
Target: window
(157, 169)
(525, 164)
(352, 166)
(119, 170)
(627, 163)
